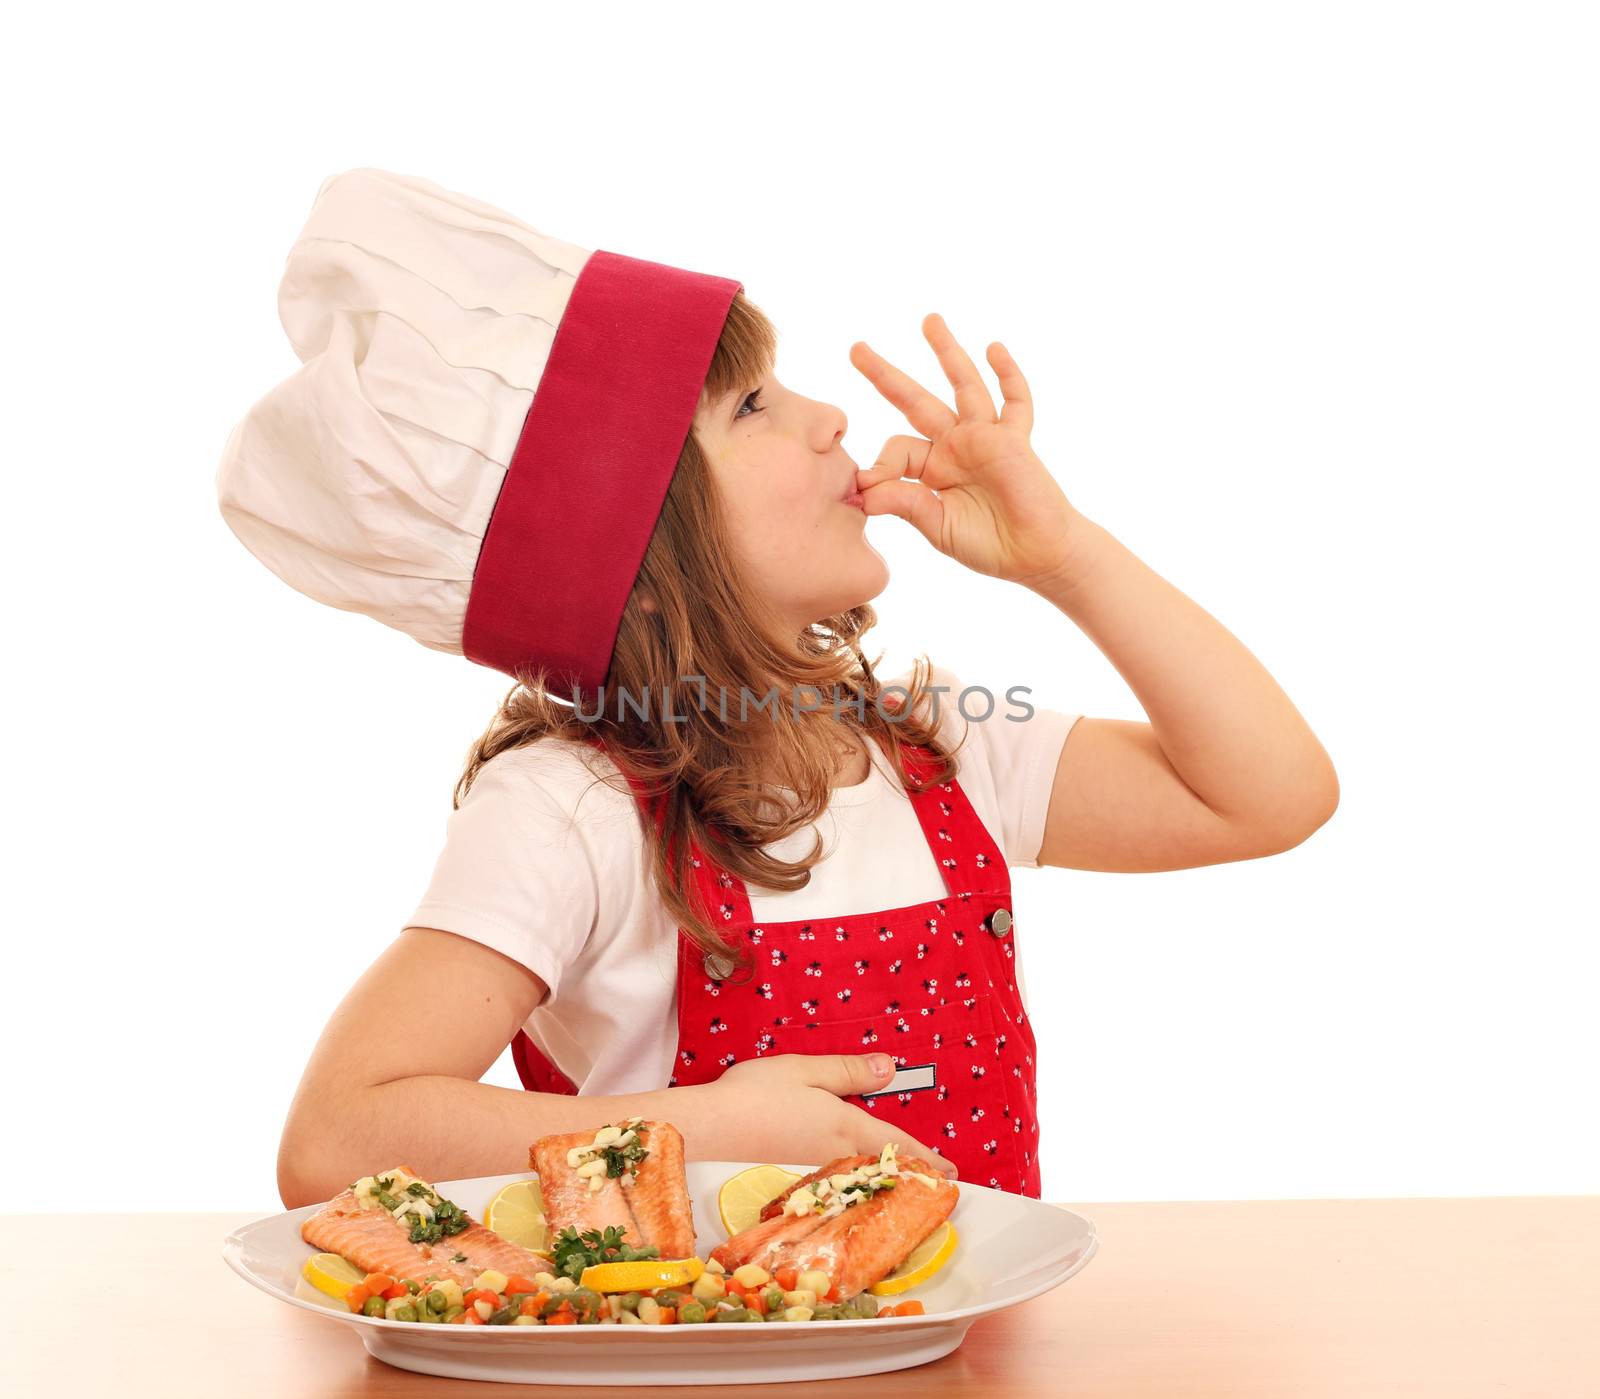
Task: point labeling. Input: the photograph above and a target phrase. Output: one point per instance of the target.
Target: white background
(1308, 299)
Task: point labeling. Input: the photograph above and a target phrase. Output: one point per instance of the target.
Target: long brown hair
(707, 634)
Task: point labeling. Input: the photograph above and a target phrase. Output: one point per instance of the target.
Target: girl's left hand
(998, 510)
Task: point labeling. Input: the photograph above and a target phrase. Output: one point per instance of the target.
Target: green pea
(691, 1312)
(404, 1312)
(670, 1297)
(373, 1306)
(436, 1302)
(587, 1303)
(629, 1301)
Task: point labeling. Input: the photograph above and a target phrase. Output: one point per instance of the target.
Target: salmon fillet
(376, 1242)
(761, 1242)
(660, 1197)
(856, 1248)
(654, 1209)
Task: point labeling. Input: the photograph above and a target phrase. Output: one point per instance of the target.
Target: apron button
(1000, 922)
(717, 966)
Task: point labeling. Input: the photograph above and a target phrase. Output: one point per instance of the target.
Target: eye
(748, 402)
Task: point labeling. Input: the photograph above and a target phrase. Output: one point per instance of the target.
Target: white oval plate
(1011, 1248)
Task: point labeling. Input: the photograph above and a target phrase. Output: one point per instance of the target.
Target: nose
(834, 423)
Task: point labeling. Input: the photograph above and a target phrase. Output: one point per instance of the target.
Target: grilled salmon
(376, 1242)
(652, 1209)
(857, 1247)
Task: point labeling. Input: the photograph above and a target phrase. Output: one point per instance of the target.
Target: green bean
(412, 1285)
(451, 1313)
(504, 1316)
(865, 1305)
(733, 1314)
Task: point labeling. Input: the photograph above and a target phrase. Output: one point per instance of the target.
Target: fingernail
(880, 1064)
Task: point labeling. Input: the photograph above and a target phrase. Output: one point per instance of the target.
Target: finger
(972, 394)
(841, 1073)
(1018, 407)
(874, 1135)
(930, 415)
(901, 456)
(911, 501)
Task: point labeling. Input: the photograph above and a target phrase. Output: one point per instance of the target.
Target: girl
(704, 866)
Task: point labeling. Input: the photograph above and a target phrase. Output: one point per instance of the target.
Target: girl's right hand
(788, 1107)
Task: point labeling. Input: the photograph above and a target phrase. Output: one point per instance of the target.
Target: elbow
(1318, 799)
(1299, 815)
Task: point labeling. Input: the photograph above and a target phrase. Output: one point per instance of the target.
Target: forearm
(1223, 722)
(447, 1128)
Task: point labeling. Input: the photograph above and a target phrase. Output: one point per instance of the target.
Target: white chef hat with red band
(483, 428)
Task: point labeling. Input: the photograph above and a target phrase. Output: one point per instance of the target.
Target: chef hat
(478, 441)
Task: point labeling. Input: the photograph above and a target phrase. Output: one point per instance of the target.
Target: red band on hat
(597, 452)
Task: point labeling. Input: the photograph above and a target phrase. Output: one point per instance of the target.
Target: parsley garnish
(574, 1252)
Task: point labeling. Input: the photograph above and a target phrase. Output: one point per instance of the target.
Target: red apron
(932, 984)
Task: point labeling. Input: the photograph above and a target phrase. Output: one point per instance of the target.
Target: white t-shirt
(546, 863)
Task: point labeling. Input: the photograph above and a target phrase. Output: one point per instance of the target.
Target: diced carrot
(911, 1308)
(668, 1316)
(481, 1294)
(832, 1294)
(755, 1301)
(562, 1317)
(471, 1317)
(530, 1305)
(516, 1283)
(356, 1297)
(398, 1290)
(379, 1283)
(788, 1278)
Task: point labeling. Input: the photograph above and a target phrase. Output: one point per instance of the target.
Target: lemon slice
(327, 1272)
(926, 1259)
(516, 1214)
(745, 1195)
(641, 1276)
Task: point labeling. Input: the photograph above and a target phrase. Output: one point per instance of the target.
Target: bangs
(746, 351)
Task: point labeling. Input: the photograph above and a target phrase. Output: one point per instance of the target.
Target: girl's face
(777, 460)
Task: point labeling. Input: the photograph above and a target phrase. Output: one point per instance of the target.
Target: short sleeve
(1010, 756)
(518, 872)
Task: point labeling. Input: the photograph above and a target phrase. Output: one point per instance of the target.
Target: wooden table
(1369, 1298)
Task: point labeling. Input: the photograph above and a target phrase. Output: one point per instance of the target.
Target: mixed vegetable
(748, 1294)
